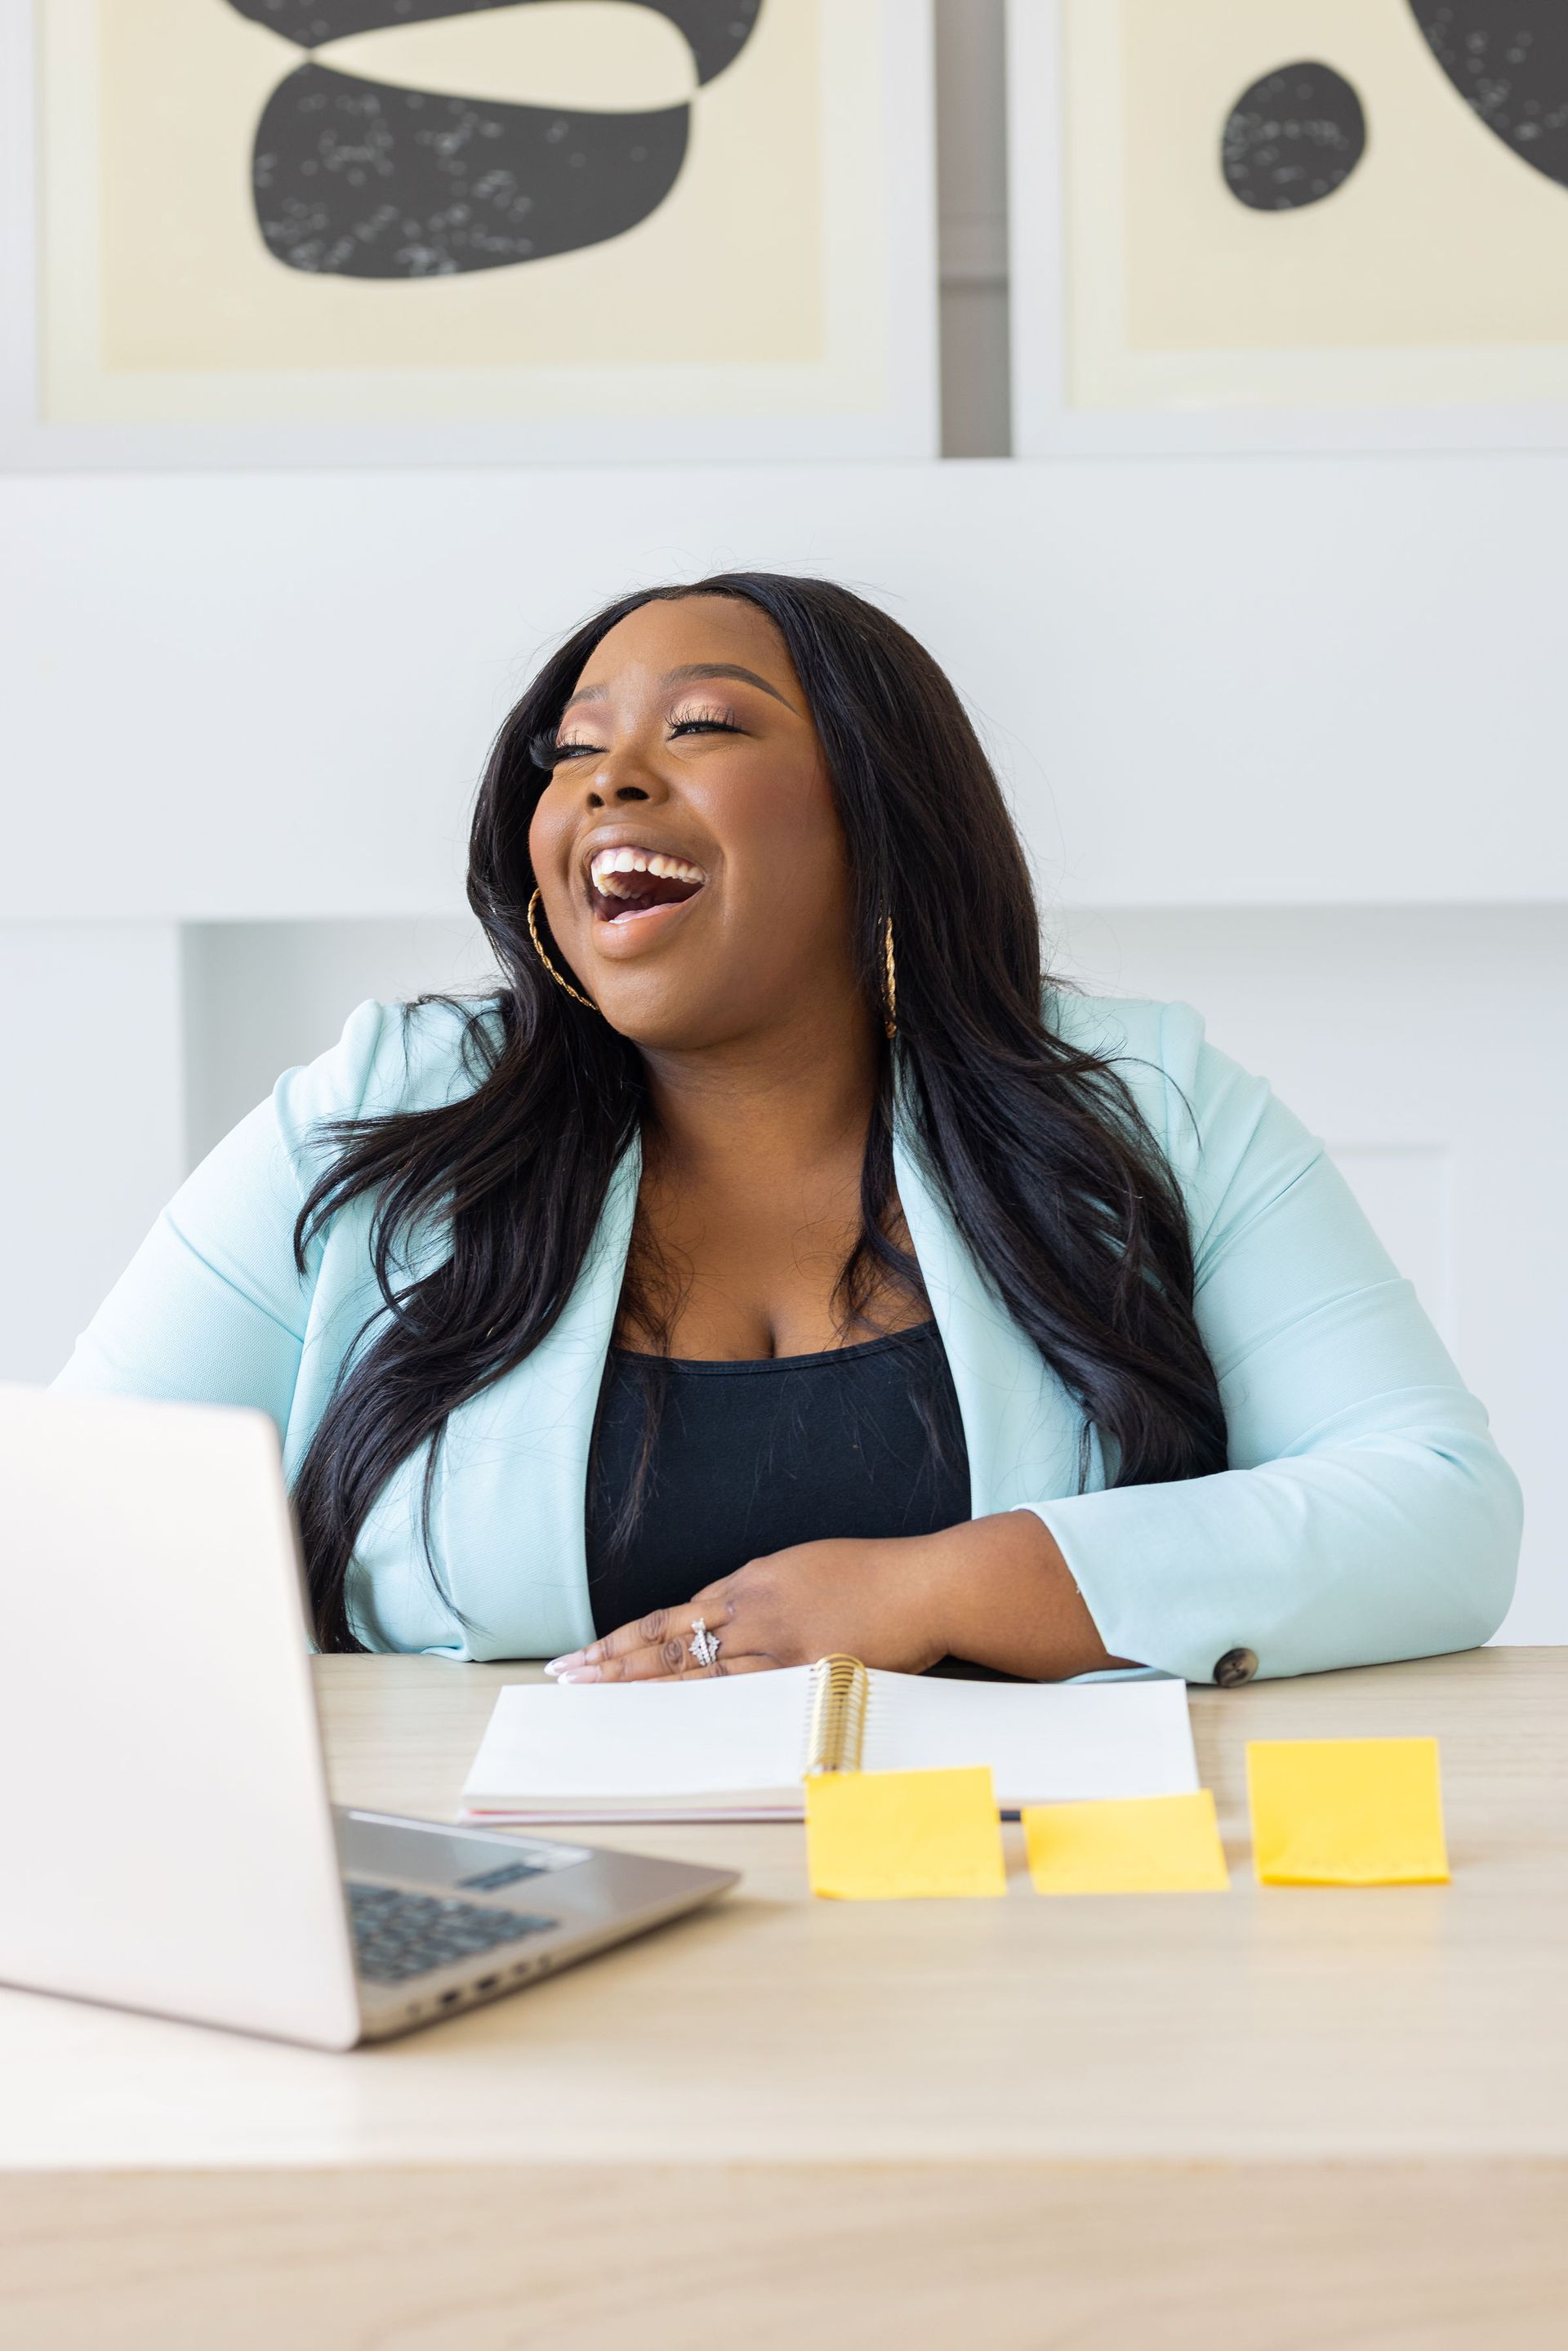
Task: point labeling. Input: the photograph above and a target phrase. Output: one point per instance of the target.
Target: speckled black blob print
(716, 30)
(1508, 61)
(354, 179)
(1292, 138)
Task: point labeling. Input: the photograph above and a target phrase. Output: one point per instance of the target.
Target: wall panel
(1262, 682)
(262, 997)
(1425, 1045)
(94, 1130)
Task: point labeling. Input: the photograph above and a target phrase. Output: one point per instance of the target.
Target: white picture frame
(1068, 326)
(872, 393)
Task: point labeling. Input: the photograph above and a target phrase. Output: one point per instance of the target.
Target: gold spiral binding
(835, 1737)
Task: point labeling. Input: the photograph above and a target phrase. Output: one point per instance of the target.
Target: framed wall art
(1289, 223)
(384, 231)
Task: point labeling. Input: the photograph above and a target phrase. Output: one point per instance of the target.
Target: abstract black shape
(1508, 61)
(716, 30)
(1292, 138)
(355, 179)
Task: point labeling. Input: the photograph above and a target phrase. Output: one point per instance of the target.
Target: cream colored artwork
(421, 211)
(1312, 202)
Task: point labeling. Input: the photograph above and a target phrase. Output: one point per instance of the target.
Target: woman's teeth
(610, 865)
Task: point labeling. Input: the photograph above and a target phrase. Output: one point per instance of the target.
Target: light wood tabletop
(1224, 2118)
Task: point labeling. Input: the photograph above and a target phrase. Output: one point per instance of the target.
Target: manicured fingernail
(559, 1665)
(581, 1674)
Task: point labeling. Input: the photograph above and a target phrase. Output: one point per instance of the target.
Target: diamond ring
(704, 1643)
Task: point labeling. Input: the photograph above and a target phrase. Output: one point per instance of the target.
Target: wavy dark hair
(1054, 1180)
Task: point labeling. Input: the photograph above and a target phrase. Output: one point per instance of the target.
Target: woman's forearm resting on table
(1002, 1595)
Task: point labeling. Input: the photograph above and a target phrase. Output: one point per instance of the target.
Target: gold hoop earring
(550, 967)
(890, 981)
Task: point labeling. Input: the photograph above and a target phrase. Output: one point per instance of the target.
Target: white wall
(261, 997)
(1225, 681)
(1282, 735)
(1425, 1045)
(93, 1139)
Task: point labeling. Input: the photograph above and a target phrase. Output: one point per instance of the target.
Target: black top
(749, 1458)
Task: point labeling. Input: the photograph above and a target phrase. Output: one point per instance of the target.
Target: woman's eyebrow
(692, 670)
(684, 676)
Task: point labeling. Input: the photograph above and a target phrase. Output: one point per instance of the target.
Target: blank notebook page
(645, 1740)
(1043, 1741)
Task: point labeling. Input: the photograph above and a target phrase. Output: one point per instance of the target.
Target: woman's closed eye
(555, 751)
(705, 722)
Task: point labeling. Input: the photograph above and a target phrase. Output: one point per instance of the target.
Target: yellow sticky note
(883, 1837)
(1346, 1812)
(1141, 1844)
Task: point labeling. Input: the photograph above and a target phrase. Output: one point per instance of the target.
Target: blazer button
(1235, 1666)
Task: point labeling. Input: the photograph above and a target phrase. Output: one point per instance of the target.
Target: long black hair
(1055, 1182)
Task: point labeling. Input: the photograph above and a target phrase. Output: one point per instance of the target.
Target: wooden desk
(1272, 2119)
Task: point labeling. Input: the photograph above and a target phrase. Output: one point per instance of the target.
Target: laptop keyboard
(399, 1934)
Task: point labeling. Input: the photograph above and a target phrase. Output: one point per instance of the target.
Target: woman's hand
(995, 1591)
(869, 1600)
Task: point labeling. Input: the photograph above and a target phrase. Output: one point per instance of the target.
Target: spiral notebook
(739, 1749)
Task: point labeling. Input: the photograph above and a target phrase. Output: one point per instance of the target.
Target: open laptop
(166, 1841)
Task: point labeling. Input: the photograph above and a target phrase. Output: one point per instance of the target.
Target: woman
(770, 1268)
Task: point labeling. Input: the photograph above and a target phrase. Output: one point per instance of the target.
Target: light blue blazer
(1365, 1515)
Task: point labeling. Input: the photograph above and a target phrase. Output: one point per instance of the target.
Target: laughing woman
(773, 1265)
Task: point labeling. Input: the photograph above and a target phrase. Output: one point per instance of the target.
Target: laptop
(166, 1838)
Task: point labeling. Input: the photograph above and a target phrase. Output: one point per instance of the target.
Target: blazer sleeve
(211, 1309)
(1365, 1514)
